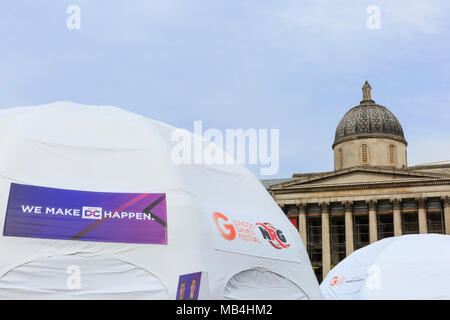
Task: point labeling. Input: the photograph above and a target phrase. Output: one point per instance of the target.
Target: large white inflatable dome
(415, 266)
(62, 167)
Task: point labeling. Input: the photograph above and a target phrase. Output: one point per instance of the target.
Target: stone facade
(359, 203)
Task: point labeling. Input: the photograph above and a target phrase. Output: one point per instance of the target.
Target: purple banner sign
(40, 212)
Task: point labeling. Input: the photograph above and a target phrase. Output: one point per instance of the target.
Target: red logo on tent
(229, 233)
(273, 235)
(333, 281)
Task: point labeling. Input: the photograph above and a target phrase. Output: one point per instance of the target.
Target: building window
(340, 159)
(392, 155)
(364, 154)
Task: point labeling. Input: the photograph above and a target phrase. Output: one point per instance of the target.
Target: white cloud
(428, 150)
(412, 17)
(343, 22)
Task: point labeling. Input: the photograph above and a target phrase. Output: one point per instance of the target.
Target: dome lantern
(367, 93)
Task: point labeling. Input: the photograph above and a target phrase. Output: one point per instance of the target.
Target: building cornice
(359, 186)
(410, 174)
(369, 136)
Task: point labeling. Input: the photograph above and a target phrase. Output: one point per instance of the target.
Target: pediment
(359, 175)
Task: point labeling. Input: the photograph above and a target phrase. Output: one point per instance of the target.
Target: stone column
(422, 214)
(397, 217)
(373, 228)
(446, 203)
(326, 252)
(302, 222)
(349, 239)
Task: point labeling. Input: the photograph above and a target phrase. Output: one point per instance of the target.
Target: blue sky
(297, 66)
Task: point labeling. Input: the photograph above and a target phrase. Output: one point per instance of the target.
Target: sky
(296, 66)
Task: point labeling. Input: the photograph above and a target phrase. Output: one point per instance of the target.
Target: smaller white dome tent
(407, 267)
(77, 184)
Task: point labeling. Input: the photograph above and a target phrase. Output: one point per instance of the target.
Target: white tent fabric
(106, 149)
(406, 267)
(248, 284)
(47, 278)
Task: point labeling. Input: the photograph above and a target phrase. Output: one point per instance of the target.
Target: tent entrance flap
(257, 284)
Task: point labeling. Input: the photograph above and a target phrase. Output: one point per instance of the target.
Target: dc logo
(92, 213)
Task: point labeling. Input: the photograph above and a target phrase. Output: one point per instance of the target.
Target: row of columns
(373, 230)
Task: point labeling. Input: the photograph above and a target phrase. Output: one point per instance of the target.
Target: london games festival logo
(246, 231)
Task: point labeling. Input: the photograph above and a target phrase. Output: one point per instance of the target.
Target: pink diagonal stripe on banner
(95, 224)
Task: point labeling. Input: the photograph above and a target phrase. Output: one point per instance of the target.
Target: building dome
(368, 120)
(369, 135)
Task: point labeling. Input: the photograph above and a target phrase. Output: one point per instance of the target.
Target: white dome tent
(407, 267)
(216, 219)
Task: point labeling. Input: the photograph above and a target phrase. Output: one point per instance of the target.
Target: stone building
(371, 194)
